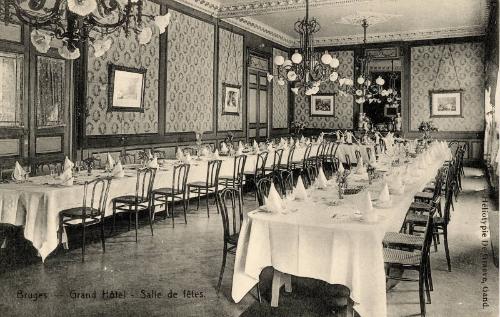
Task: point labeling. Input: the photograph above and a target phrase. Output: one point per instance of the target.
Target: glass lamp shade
(291, 75)
(296, 57)
(380, 81)
(295, 90)
(287, 64)
(279, 60)
(281, 81)
(334, 76)
(315, 90)
(334, 63)
(359, 92)
(361, 80)
(326, 58)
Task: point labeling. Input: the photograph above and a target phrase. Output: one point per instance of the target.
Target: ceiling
(408, 19)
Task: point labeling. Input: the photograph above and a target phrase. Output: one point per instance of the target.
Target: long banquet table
(320, 238)
(36, 204)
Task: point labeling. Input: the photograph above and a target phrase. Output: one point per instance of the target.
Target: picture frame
(391, 111)
(126, 88)
(231, 101)
(322, 105)
(446, 103)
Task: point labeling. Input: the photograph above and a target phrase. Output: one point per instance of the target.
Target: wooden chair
(413, 259)
(209, 186)
(231, 211)
(139, 202)
(237, 178)
(303, 165)
(258, 172)
(177, 192)
(95, 200)
(263, 186)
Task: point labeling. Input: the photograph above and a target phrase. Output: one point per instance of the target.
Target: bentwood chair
(177, 192)
(263, 186)
(207, 187)
(139, 202)
(302, 166)
(231, 211)
(416, 259)
(95, 199)
(236, 180)
(258, 172)
(315, 161)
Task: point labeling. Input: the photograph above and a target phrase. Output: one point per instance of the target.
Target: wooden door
(258, 105)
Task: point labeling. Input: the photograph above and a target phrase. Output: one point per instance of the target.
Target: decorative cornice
(475, 30)
(211, 7)
(271, 6)
(262, 30)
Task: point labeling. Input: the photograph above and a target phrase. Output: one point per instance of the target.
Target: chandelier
(76, 21)
(305, 68)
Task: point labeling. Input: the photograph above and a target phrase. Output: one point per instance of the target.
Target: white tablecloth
(308, 242)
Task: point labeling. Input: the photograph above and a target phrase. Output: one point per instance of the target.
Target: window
(11, 90)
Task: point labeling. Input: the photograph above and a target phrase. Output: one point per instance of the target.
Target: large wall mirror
(384, 111)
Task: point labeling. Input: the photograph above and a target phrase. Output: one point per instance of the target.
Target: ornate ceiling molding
(263, 30)
(475, 30)
(211, 7)
(272, 6)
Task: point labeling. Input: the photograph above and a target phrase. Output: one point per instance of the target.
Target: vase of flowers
(199, 143)
(298, 128)
(426, 127)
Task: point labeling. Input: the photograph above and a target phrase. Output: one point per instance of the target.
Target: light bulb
(334, 76)
(296, 57)
(380, 81)
(361, 80)
(279, 60)
(326, 58)
(334, 63)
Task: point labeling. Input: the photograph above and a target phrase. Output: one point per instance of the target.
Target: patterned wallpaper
(125, 52)
(280, 97)
(190, 65)
(343, 104)
(231, 72)
(468, 59)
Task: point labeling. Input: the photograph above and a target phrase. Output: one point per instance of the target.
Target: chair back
(144, 183)
(239, 168)
(348, 161)
(428, 232)
(287, 182)
(358, 155)
(179, 179)
(335, 163)
(289, 161)
(95, 197)
(448, 201)
(369, 153)
(278, 155)
(231, 211)
(307, 154)
(213, 171)
(263, 186)
(260, 164)
(127, 158)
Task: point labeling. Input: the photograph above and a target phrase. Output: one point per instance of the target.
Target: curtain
(51, 92)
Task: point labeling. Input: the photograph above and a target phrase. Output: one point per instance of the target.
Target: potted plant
(426, 127)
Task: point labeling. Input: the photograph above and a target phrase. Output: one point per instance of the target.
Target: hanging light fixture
(76, 21)
(305, 68)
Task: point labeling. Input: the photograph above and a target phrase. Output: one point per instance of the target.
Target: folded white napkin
(361, 169)
(384, 194)
(187, 158)
(68, 164)
(216, 154)
(396, 185)
(302, 139)
(18, 173)
(308, 141)
(321, 182)
(223, 148)
(341, 168)
(150, 156)
(300, 191)
(153, 163)
(270, 147)
(348, 137)
(240, 146)
(67, 178)
(240, 152)
(255, 145)
(110, 162)
(292, 142)
(179, 155)
(204, 152)
(366, 202)
(118, 170)
(282, 142)
(377, 138)
(274, 203)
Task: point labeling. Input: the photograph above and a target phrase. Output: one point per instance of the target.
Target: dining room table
(330, 238)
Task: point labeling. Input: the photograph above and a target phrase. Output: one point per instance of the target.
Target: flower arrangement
(427, 127)
(298, 127)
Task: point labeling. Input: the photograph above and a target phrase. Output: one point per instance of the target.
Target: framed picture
(323, 106)
(126, 88)
(446, 103)
(231, 102)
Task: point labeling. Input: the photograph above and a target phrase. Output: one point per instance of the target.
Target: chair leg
(150, 214)
(426, 283)
(114, 217)
(102, 236)
(421, 292)
(446, 249)
(258, 293)
(171, 211)
(224, 254)
(198, 201)
(83, 241)
(184, 209)
(207, 199)
(129, 217)
(136, 222)
(429, 274)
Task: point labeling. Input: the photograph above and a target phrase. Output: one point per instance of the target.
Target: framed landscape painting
(231, 102)
(323, 106)
(126, 88)
(446, 103)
